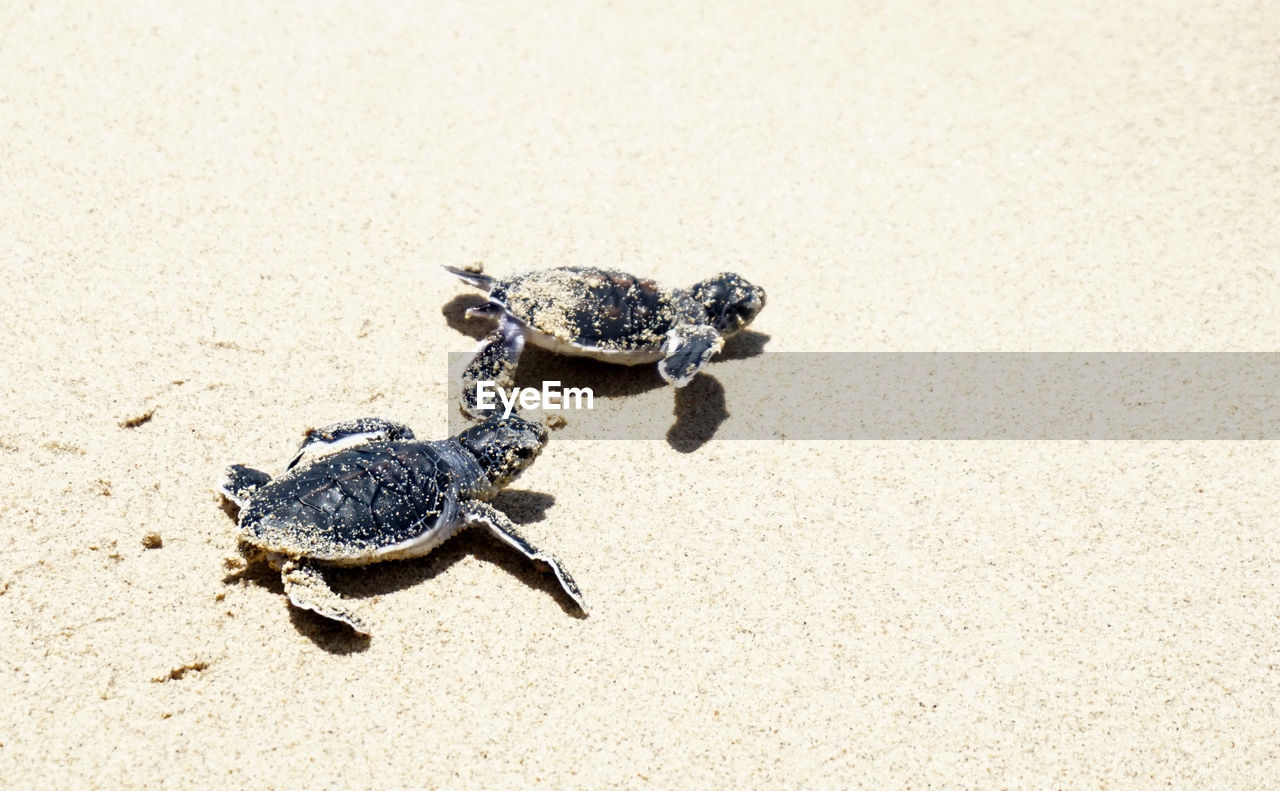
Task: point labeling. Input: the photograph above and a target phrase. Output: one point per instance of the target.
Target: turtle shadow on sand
(606, 380)
(744, 345)
(699, 407)
(364, 582)
(455, 315)
(699, 411)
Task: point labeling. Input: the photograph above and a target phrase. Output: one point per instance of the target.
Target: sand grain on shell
(552, 302)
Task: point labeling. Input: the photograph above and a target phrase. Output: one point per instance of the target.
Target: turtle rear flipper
(688, 348)
(240, 482)
(483, 282)
(350, 432)
(306, 588)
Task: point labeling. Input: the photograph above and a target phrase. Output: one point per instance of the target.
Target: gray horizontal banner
(913, 396)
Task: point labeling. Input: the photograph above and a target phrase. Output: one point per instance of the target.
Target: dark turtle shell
(599, 308)
(351, 504)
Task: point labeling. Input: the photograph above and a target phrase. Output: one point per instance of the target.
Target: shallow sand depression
(224, 226)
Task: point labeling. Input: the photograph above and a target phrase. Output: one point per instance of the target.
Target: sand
(223, 225)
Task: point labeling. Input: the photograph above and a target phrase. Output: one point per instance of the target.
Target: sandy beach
(224, 225)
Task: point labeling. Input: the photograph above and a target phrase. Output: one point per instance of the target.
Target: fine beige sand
(230, 219)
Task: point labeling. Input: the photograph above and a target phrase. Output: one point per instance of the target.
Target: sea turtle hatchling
(606, 315)
(365, 491)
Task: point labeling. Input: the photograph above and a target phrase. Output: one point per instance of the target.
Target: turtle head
(504, 446)
(730, 301)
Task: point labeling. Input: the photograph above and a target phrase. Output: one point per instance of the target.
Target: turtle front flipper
(480, 513)
(306, 588)
(494, 363)
(348, 433)
(688, 348)
(240, 482)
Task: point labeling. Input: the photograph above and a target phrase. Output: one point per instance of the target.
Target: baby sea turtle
(606, 315)
(365, 491)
